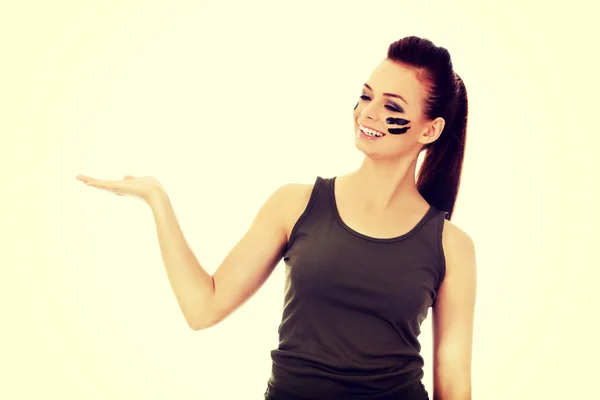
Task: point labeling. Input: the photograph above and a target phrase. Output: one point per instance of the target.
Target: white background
(225, 101)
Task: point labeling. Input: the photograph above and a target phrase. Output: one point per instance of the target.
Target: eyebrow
(388, 94)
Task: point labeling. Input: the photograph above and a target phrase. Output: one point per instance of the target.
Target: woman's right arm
(206, 300)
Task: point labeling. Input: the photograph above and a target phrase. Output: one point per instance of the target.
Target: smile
(370, 132)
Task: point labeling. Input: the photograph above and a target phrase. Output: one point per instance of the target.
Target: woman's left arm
(453, 315)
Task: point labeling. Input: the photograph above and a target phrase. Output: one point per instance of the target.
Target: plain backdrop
(223, 102)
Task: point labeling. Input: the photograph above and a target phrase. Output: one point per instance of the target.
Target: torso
(324, 276)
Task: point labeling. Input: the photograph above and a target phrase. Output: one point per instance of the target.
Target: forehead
(392, 77)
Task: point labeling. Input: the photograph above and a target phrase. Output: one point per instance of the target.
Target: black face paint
(398, 131)
(397, 121)
(356, 106)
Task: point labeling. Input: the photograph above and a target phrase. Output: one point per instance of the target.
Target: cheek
(356, 113)
(398, 126)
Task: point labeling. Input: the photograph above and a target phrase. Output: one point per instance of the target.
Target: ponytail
(439, 176)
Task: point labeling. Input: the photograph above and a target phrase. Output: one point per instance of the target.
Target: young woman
(366, 254)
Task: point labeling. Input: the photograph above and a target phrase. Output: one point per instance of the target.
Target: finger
(84, 178)
(129, 177)
(104, 184)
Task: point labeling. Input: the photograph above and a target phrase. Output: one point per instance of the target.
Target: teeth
(370, 132)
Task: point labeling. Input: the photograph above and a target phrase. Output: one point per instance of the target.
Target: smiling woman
(367, 254)
(371, 251)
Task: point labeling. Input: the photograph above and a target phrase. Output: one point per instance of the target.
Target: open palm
(142, 187)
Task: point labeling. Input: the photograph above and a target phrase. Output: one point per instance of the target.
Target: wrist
(156, 196)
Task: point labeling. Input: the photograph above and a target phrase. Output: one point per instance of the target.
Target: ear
(433, 131)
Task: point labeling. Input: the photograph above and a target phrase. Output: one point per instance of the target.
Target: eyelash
(393, 109)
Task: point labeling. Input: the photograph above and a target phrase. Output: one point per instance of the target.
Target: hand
(144, 187)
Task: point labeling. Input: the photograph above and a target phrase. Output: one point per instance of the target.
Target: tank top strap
(317, 209)
(321, 198)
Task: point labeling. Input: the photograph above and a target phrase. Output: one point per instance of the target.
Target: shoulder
(296, 196)
(458, 246)
(293, 195)
(454, 235)
(292, 200)
(285, 199)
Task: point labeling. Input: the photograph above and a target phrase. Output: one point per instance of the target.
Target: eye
(391, 108)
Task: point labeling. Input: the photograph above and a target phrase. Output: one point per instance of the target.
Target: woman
(366, 253)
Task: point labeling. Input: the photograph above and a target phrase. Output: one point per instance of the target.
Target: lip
(368, 127)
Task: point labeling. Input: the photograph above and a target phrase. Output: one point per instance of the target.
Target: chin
(361, 146)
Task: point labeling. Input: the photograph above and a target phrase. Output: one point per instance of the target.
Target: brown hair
(439, 176)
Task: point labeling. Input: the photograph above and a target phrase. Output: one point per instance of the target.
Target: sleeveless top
(353, 307)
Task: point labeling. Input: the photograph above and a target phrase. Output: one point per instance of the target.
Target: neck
(386, 185)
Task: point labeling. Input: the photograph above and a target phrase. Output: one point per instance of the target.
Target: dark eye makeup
(392, 108)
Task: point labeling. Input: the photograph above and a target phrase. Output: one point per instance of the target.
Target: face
(388, 118)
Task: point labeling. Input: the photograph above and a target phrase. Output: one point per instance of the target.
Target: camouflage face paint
(397, 121)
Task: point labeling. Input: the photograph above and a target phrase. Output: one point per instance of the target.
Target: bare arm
(206, 300)
(453, 318)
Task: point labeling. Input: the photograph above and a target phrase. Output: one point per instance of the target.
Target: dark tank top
(353, 307)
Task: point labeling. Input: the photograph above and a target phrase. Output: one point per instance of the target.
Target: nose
(368, 111)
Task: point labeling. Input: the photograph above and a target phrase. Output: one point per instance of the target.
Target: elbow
(197, 327)
(201, 318)
(454, 388)
(204, 321)
(199, 324)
